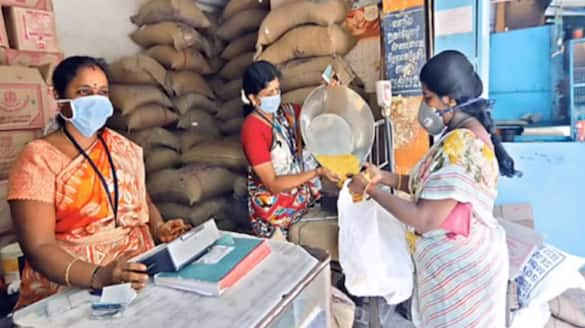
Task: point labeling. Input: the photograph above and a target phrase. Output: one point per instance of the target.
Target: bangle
(68, 270)
(93, 275)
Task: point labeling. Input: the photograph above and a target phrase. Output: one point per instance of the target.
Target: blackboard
(405, 49)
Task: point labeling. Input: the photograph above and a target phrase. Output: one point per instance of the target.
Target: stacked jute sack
(165, 104)
(302, 38)
(238, 28)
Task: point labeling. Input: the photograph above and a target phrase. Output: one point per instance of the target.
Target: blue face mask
(89, 114)
(270, 104)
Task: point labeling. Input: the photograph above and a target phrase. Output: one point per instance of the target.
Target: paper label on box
(21, 104)
(38, 27)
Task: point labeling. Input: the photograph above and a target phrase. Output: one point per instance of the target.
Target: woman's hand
(327, 173)
(120, 271)
(374, 174)
(171, 230)
(359, 184)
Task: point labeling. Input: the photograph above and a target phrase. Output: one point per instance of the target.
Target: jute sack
(235, 68)
(224, 153)
(297, 96)
(297, 13)
(161, 158)
(241, 186)
(190, 185)
(184, 11)
(309, 41)
(186, 59)
(307, 79)
(154, 138)
(240, 24)
(230, 110)
(297, 69)
(198, 121)
(237, 6)
(127, 98)
(217, 208)
(185, 103)
(216, 45)
(145, 117)
(173, 34)
(228, 90)
(245, 43)
(185, 82)
(232, 126)
(190, 139)
(216, 64)
(138, 69)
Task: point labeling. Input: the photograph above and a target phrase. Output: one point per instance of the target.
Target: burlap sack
(216, 45)
(216, 64)
(190, 139)
(230, 110)
(217, 208)
(290, 83)
(235, 68)
(241, 186)
(190, 185)
(232, 126)
(184, 11)
(161, 158)
(145, 117)
(237, 6)
(245, 43)
(190, 101)
(173, 34)
(126, 98)
(199, 121)
(227, 154)
(156, 137)
(297, 96)
(297, 69)
(185, 82)
(241, 24)
(227, 90)
(186, 59)
(138, 69)
(309, 41)
(297, 13)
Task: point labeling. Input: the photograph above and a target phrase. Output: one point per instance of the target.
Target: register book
(223, 265)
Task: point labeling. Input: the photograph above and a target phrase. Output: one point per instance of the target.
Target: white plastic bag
(373, 251)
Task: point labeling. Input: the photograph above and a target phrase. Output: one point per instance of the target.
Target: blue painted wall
(554, 184)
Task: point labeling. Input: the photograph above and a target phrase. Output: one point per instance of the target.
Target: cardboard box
(24, 99)
(518, 213)
(34, 4)
(3, 35)
(11, 144)
(31, 29)
(5, 218)
(29, 58)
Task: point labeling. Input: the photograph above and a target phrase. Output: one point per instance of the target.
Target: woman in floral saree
(459, 249)
(78, 198)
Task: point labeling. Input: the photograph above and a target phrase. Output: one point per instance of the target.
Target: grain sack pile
(165, 103)
(302, 38)
(240, 20)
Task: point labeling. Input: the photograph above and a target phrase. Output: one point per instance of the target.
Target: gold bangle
(68, 270)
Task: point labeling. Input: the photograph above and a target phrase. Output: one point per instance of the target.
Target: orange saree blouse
(85, 226)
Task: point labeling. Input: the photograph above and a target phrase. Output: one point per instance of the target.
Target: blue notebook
(226, 262)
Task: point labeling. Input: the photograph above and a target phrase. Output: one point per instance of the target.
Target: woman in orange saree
(78, 197)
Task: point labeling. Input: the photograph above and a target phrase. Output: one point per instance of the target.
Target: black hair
(68, 69)
(257, 77)
(451, 74)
